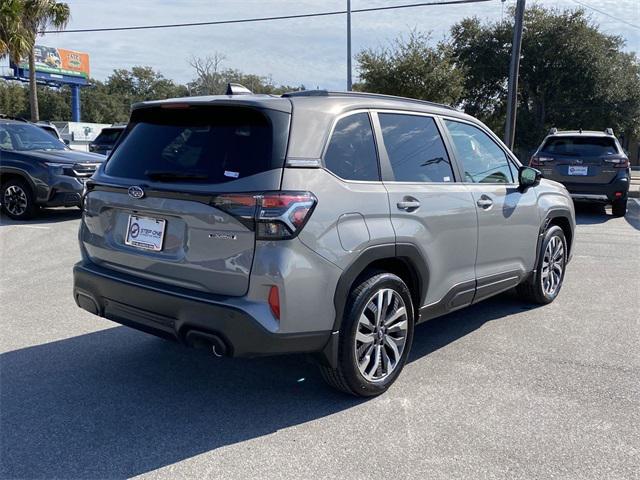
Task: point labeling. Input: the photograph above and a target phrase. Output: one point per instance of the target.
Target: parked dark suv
(316, 222)
(37, 169)
(106, 140)
(592, 165)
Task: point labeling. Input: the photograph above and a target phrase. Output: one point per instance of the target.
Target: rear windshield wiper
(167, 175)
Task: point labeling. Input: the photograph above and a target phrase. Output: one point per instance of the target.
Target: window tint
(479, 156)
(415, 148)
(200, 144)
(14, 136)
(581, 146)
(351, 153)
(108, 136)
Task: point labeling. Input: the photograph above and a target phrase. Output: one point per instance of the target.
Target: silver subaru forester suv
(316, 222)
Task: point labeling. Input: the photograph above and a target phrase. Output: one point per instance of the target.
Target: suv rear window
(200, 144)
(108, 136)
(580, 146)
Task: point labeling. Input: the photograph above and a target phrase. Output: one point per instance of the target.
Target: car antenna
(237, 89)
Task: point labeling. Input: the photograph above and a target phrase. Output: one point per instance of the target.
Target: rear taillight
(272, 215)
(539, 161)
(618, 162)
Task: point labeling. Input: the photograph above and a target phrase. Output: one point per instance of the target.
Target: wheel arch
(404, 260)
(559, 217)
(7, 173)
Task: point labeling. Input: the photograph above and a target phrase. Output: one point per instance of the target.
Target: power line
(266, 19)
(606, 14)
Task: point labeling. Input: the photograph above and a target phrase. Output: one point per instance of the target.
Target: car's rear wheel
(544, 285)
(619, 207)
(17, 199)
(375, 336)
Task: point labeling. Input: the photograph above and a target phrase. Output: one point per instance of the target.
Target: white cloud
(311, 51)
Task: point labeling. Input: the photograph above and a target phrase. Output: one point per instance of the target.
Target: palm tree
(37, 16)
(13, 37)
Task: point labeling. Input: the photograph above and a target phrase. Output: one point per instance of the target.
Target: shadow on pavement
(591, 213)
(118, 403)
(44, 216)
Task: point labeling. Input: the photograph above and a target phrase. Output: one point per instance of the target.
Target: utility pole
(349, 83)
(514, 67)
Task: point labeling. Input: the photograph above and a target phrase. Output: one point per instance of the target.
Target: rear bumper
(605, 193)
(150, 307)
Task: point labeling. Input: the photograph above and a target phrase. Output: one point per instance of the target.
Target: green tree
(412, 67)
(140, 84)
(14, 99)
(14, 39)
(38, 15)
(571, 74)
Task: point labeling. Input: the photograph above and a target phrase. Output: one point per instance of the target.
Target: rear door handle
(408, 204)
(484, 202)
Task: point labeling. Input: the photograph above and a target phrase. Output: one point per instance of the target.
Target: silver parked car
(316, 222)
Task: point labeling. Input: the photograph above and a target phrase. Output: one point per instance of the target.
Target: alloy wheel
(553, 266)
(381, 335)
(15, 200)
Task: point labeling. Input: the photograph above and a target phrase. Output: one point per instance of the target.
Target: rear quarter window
(351, 153)
(204, 144)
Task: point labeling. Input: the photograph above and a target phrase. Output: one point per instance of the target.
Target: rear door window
(481, 159)
(351, 153)
(200, 144)
(415, 148)
(580, 146)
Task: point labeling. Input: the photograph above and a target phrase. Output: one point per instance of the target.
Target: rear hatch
(168, 206)
(579, 159)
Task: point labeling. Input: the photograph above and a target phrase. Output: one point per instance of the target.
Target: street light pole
(514, 67)
(349, 84)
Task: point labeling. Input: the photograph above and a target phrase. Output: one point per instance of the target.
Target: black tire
(619, 207)
(533, 288)
(15, 192)
(347, 377)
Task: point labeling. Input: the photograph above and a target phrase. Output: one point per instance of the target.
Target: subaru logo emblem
(136, 192)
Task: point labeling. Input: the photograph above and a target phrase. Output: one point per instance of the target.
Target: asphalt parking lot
(499, 390)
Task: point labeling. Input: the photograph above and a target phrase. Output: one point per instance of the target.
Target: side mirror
(67, 142)
(529, 177)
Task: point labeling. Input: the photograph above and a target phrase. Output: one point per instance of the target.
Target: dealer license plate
(145, 232)
(573, 170)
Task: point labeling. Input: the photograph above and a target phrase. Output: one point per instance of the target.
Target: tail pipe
(206, 341)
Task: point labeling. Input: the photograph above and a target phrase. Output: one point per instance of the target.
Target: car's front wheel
(17, 199)
(544, 285)
(375, 336)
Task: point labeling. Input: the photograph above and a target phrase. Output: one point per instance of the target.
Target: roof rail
(609, 131)
(553, 131)
(328, 93)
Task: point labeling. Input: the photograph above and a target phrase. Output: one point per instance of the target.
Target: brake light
(272, 215)
(618, 162)
(538, 161)
(274, 301)
(175, 106)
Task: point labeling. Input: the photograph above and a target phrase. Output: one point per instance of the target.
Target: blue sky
(302, 51)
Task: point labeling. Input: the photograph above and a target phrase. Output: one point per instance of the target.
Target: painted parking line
(39, 227)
